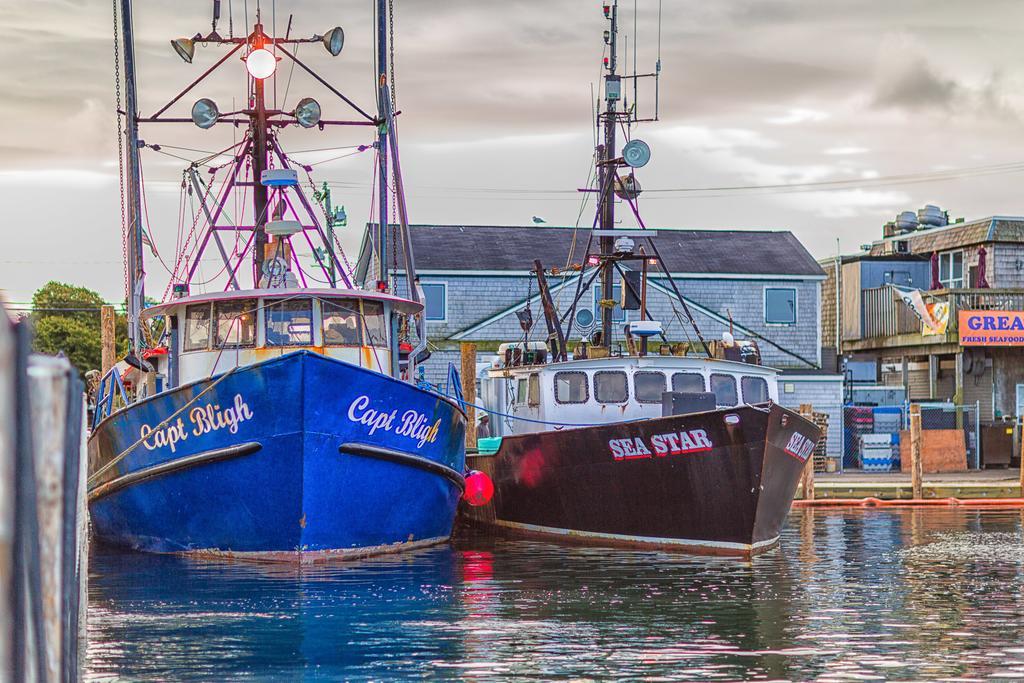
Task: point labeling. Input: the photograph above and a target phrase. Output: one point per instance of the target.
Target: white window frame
(444, 286)
(796, 306)
(950, 283)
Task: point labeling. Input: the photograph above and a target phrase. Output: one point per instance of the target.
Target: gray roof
(958, 235)
(513, 248)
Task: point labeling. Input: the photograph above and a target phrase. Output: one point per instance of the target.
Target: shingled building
(764, 283)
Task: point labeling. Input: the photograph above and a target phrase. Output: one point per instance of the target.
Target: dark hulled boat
(613, 444)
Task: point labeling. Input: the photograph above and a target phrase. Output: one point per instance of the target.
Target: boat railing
(110, 388)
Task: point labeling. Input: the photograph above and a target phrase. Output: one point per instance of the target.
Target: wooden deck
(896, 485)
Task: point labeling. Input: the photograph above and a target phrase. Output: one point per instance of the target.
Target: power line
(726, 190)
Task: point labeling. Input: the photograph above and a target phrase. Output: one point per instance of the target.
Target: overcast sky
(496, 95)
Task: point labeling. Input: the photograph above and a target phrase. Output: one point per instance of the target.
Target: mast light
(307, 112)
(185, 47)
(334, 40)
(260, 63)
(205, 113)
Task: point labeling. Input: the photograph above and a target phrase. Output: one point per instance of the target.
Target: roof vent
(907, 221)
(931, 216)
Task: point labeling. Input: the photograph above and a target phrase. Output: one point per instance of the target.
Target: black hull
(722, 484)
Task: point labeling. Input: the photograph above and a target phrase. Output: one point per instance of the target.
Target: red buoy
(479, 488)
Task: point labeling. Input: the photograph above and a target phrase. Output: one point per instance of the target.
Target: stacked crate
(876, 452)
(888, 422)
(859, 421)
(821, 448)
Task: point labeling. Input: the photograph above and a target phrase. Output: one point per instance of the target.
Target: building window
(649, 386)
(688, 382)
(197, 327)
(610, 387)
(755, 389)
(951, 269)
(724, 389)
(235, 323)
(435, 300)
(780, 305)
(521, 390)
(571, 387)
(289, 322)
(618, 315)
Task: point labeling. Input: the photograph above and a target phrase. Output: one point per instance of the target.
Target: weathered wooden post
(468, 375)
(48, 400)
(1022, 459)
(916, 468)
(8, 367)
(107, 339)
(807, 480)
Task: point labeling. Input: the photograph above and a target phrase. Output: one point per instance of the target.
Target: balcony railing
(882, 315)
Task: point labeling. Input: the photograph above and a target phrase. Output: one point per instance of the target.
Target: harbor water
(851, 594)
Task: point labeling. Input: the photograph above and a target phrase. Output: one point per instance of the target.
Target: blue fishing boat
(280, 421)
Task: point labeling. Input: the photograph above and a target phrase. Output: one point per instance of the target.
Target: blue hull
(298, 456)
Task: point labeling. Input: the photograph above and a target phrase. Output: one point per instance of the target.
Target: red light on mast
(607, 11)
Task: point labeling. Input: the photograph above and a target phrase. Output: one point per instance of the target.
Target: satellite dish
(636, 153)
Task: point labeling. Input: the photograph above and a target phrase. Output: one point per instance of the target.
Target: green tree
(67, 320)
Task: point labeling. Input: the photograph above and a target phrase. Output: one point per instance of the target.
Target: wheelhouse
(211, 333)
(597, 391)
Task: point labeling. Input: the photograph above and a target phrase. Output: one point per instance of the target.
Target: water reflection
(851, 594)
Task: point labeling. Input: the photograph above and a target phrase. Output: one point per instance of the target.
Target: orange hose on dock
(913, 502)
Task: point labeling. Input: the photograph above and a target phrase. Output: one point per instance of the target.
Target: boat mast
(382, 146)
(606, 173)
(136, 269)
(259, 162)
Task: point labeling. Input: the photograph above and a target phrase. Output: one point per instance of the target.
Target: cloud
(911, 83)
(794, 116)
(846, 151)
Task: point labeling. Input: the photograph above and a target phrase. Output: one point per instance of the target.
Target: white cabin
(212, 333)
(600, 390)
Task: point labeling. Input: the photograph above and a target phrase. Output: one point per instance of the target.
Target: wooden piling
(107, 339)
(916, 473)
(468, 375)
(8, 365)
(807, 479)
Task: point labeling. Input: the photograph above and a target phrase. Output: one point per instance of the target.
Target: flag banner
(914, 299)
(940, 316)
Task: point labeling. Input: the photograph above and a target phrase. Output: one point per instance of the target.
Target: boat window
(534, 391)
(688, 382)
(289, 322)
(755, 389)
(571, 387)
(236, 323)
(197, 327)
(649, 386)
(521, 390)
(724, 389)
(341, 323)
(610, 387)
(375, 326)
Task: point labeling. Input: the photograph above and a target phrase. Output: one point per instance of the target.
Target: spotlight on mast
(334, 40)
(185, 47)
(307, 112)
(205, 113)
